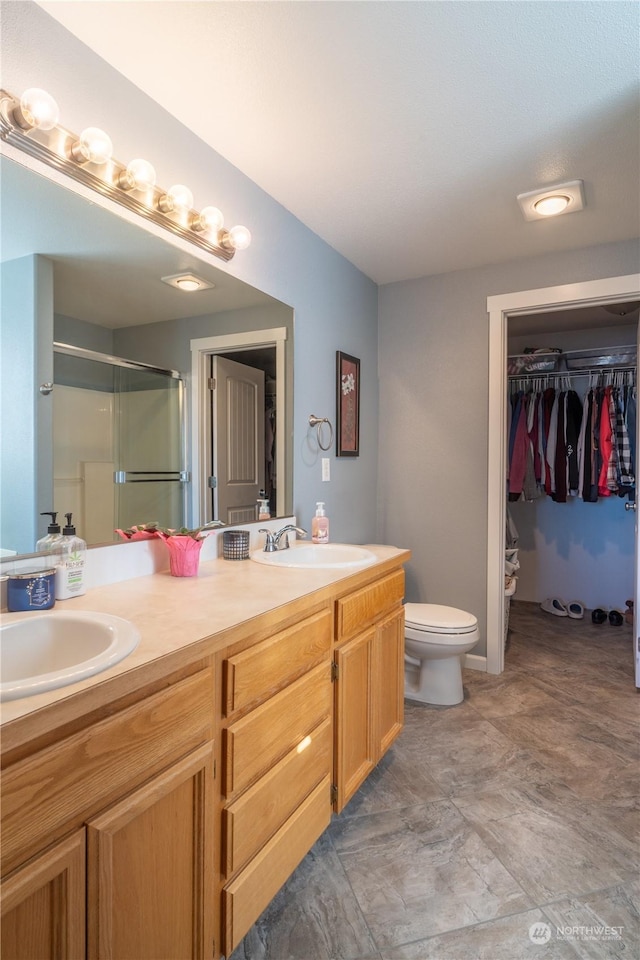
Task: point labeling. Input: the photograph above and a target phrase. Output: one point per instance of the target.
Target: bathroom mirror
(76, 273)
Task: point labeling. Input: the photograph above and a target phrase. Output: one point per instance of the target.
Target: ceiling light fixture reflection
(30, 124)
(553, 201)
(188, 282)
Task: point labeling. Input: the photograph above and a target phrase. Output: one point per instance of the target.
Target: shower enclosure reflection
(119, 447)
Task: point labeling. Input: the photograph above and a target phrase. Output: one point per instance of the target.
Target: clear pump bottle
(320, 525)
(51, 542)
(70, 572)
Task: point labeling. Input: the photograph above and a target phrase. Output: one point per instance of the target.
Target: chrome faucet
(273, 543)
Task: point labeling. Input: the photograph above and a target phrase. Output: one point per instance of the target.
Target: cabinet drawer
(252, 819)
(254, 743)
(355, 611)
(245, 898)
(257, 673)
(45, 795)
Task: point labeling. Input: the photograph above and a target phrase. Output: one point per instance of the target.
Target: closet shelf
(625, 356)
(589, 360)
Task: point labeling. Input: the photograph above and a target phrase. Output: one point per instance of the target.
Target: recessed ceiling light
(553, 205)
(188, 282)
(552, 201)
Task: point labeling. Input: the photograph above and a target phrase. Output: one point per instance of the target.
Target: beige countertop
(173, 614)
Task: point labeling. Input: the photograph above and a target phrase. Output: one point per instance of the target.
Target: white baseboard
(474, 662)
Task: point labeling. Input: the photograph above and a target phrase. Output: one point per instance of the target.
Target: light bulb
(139, 175)
(188, 284)
(177, 198)
(550, 206)
(239, 238)
(209, 219)
(38, 110)
(94, 145)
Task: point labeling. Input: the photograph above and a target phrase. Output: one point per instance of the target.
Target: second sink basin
(317, 556)
(45, 651)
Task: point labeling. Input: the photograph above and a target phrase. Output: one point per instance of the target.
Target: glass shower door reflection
(150, 482)
(118, 443)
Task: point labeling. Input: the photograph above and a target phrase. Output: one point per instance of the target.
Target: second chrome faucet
(279, 539)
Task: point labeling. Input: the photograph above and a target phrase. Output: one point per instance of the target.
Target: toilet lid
(438, 619)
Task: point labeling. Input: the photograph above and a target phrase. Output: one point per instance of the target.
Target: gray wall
(167, 344)
(79, 333)
(335, 304)
(433, 371)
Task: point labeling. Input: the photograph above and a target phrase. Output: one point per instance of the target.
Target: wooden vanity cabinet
(135, 791)
(119, 838)
(152, 854)
(277, 758)
(44, 905)
(369, 680)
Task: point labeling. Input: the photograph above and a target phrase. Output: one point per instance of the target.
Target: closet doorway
(608, 292)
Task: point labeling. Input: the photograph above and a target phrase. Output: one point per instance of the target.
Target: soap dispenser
(51, 542)
(320, 525)
(70, 573)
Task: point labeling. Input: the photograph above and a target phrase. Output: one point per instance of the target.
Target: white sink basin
(317, 556)
(49, 650)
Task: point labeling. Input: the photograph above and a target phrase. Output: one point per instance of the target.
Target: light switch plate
(326, 468)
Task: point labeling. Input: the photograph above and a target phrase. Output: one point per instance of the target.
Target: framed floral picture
(348, 405)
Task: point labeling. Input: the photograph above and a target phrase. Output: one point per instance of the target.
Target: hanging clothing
(518, 465)
(573, 421)
(564, 446)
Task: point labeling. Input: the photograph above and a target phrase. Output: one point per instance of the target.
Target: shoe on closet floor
(628, 614)
(575, 609)
(556, 606)
(598, 615)
(616, 619)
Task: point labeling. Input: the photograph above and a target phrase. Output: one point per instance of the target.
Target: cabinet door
(387, 664)
(43, 905)
(354, 749)
(149, 865)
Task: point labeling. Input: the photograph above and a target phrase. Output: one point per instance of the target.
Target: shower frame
(182, 475)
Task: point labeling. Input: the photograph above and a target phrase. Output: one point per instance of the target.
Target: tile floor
(485, 821)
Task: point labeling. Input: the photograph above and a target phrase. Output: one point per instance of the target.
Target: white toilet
(436, 637)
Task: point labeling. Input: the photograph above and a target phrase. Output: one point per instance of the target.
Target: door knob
(630, 506)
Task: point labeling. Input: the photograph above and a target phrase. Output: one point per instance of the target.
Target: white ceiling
(401, 132)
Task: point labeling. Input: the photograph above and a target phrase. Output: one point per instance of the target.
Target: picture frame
(347, 405)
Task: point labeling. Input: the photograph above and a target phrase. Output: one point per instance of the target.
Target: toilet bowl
(436, 637)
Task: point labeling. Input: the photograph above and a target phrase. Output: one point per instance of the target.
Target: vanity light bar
(30, 124)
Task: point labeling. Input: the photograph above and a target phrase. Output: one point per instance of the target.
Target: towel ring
(317, 422)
